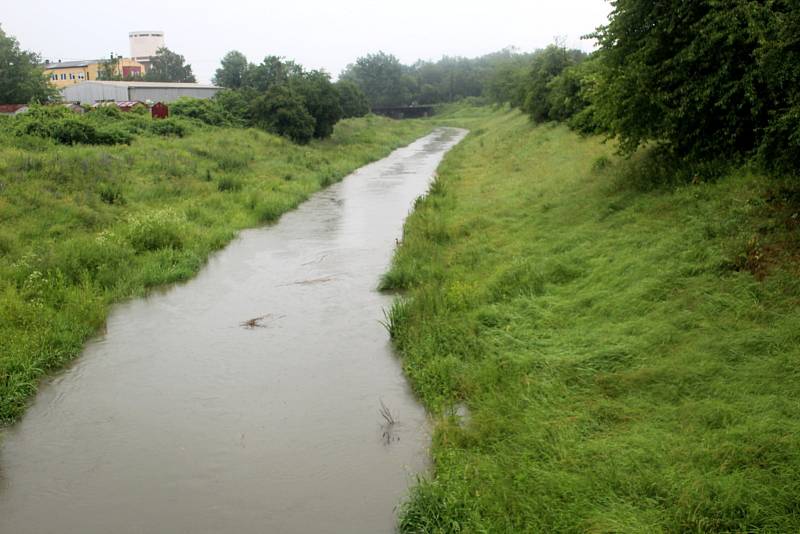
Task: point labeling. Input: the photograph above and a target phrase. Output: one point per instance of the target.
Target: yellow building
(66, 73)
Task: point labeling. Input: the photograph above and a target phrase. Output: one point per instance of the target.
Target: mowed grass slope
(84, 226)
(623, 368)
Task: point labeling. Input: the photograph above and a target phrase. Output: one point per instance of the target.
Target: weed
(111, 193)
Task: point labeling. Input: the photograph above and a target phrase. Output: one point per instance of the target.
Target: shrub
(167, 127)
(282, 112)
(547, 65)
(102, 257)
(204, 110)
(112, 135)
(780, 147)
(109, 111)
(70, 129)
(154, 231)
(352, 99)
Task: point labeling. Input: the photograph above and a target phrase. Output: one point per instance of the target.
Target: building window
(63, 76)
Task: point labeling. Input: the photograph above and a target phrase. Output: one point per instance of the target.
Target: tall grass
(629, 355)
(84, 226)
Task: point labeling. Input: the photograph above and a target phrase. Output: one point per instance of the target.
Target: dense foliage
(105, 125)
(207, 111)
(281, 97)
(388, 83)
(382, 78)
(168, 66)
(352, 99)
(22, 78)
(708, 84)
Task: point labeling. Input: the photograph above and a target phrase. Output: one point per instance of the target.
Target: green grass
(623, 367)
(82, 227)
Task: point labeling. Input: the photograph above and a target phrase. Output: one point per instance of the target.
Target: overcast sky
(326, 34)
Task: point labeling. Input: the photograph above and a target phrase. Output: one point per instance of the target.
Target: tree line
(280, 96)
(705, 85)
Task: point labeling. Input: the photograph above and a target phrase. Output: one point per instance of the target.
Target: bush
(352, 99)
(112, 135)
(66, 128)
(547, 65)
(204, 110)
(72, 131)
(168, 127)
(321, 100)
(282, 112)
(779, 152)
(236, 104)
(154, 231)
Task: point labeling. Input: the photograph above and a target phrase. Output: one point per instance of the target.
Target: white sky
(316, 33)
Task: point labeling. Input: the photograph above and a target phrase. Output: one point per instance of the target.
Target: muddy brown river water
(182, 419)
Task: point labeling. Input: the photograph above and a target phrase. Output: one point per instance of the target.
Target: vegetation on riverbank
(83, 226)
(627, 352)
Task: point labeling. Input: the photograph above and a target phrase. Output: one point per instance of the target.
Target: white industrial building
(145, 44)
(93, 92)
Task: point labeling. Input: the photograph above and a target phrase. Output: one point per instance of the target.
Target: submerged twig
(255, 322)
(388, 434)
(386, 414)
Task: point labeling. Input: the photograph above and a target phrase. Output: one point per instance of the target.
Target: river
(247, 399)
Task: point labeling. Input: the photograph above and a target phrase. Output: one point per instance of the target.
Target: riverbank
(82, 227)
(627, 356)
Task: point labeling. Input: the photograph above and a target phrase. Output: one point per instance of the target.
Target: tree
(382, 78)
(237, 103)
(108, 69)
(545, 67)
(352, 99)
(22, 78)
(233, 70)
(506, 83)
(272, 71)
(282, 112)
(780, 63)
(686, 75)
(167, 66)
(320, 99)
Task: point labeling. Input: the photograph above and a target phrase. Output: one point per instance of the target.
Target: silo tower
(144, 45)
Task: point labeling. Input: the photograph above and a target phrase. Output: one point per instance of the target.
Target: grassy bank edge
(720, 236)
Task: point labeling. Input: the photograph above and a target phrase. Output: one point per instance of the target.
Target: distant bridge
(405, 112)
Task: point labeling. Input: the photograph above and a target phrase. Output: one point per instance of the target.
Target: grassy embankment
(84, 226)
(630, 358)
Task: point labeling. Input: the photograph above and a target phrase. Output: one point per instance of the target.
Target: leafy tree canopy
(167, 66)
(382, 78)
(352, 99)
(22, 78)
(233, 70)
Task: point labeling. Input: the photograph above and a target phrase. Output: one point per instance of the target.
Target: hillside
(624, 358)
